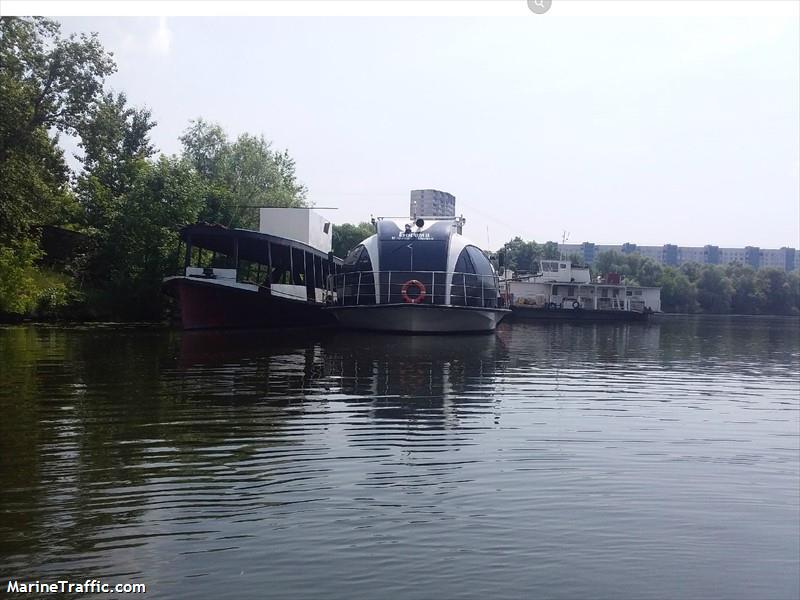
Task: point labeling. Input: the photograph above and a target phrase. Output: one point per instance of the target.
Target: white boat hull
(418, 318)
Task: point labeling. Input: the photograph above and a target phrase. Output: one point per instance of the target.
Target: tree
(774, 286)
(608, 262)
(241, 176)
(649, 273)
(692, 270)
(678, 294)
(522, 256)
(347, 236)
(714, 290)
(550, 251)
(575, 258)
(115, 139)
(140, 244)
(47, 83)
(747, 297)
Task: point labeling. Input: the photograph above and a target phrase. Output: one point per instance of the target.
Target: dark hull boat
(235, 278)
(205, 305)
(523, 312)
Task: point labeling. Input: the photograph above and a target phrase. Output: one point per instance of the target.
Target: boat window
(357, 283)
(549, 266)
(357, 260)
(298, 267)
(413, 255)
(319, 272)
(464, 263)
(280, 264)
(482, 264)
(413, 250)
(473, 280)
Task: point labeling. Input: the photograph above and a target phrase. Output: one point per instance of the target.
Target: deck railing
(362, 288)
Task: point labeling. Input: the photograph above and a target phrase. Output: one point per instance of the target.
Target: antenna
(564, 238)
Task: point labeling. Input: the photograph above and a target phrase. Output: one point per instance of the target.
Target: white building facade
(432, 203)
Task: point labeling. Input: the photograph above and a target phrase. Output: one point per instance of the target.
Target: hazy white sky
(648, 130)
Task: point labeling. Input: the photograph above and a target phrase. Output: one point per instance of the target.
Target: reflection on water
(553, 460)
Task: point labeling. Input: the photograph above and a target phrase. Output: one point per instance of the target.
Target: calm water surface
(547, 461)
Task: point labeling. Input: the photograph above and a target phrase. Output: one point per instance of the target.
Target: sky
(649, 130)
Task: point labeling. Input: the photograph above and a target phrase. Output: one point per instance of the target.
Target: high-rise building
(432, 203)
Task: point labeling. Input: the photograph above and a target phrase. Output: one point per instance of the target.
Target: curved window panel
(357, 279)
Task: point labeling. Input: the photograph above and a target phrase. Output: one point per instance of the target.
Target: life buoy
(576, 304)
(416, 299)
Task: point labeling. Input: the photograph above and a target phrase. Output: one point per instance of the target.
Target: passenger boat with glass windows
(417, 276)
(274, 277)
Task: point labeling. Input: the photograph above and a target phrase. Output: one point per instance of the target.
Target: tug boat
(273, 277)
(418, 275)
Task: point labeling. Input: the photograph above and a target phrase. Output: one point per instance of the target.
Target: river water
(543, 461)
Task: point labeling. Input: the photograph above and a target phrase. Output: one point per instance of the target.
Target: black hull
(525, 313)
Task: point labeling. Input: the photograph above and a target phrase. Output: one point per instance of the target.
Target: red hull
(205, 305)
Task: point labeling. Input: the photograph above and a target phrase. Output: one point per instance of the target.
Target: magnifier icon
(539, 6)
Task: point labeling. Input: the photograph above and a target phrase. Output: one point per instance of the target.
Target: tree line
(689, 288)
(124, 200)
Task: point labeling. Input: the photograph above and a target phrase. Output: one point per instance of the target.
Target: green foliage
(34, 187)
(116, 144)
(575, 259)
(54, 80)
(115, 140)
(47, 83)
(29, 290)
(747, 296)
(18, 291)
(139, 246)
(522, 256)
(627, 265)
(714, 290)
(779, 294)
(678, 294)
(347, 236)
(240, 176)
(710, 288)
(550, 251)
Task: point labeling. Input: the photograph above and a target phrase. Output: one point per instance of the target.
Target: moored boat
(417, 276)
(274, 277)
(562, 291)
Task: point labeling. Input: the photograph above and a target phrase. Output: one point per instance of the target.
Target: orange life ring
(416, 299)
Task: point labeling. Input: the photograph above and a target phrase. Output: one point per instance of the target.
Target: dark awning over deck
(253, 245)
